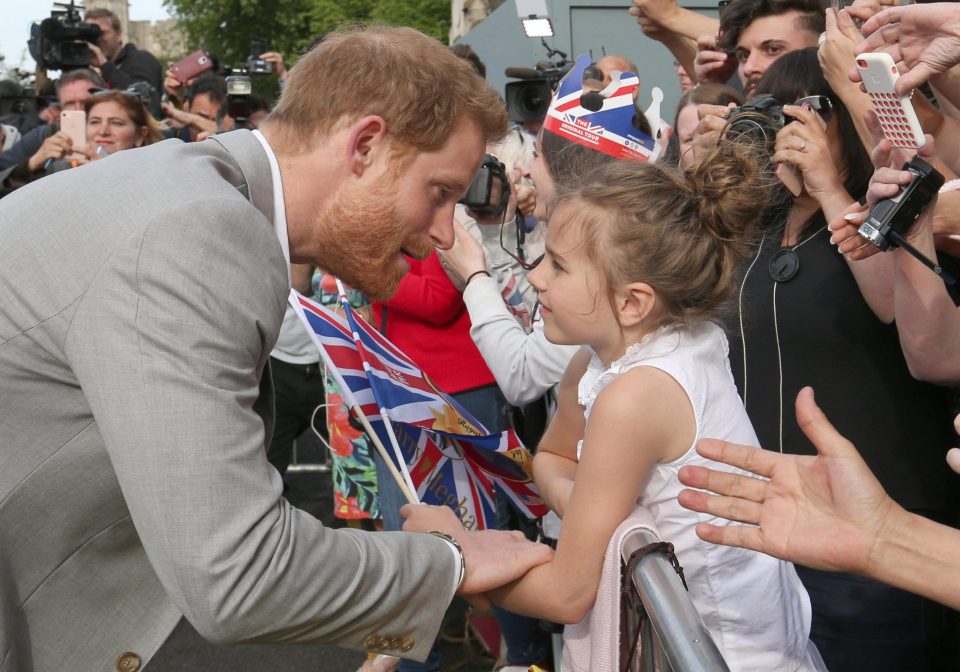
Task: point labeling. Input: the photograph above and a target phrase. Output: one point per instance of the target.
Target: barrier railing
(674, 637)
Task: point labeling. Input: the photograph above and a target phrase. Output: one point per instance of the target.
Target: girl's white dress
(754, 605)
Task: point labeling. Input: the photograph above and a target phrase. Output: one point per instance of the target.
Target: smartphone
(74, 124)
(897, 116)
(196, 63)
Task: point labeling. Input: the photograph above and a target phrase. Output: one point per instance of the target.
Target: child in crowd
(639, 258)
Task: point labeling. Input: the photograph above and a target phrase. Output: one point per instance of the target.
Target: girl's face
(687, 122)
(537, 171)
(573, 300)
(109, 125)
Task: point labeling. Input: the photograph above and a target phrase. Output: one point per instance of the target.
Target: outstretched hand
(924, 40)
(825, 512)
(492, 558)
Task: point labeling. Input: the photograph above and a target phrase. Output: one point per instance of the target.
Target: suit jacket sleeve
(168, 345)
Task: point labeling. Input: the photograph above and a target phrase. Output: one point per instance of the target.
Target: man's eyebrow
(772, 42)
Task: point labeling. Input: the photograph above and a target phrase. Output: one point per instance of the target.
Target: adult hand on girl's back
(803, 143)
(825, 511)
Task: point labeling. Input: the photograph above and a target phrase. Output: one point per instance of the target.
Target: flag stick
(402, 476)
(401, 483)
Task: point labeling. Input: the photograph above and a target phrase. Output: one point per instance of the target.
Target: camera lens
(534, 101)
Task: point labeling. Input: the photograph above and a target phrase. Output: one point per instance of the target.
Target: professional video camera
(60, 42)
(529, 99)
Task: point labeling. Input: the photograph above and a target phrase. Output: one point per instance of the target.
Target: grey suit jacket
(140, 297)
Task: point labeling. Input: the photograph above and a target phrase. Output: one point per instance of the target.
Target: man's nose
(441, 231)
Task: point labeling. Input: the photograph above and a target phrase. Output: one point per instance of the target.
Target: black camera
(239, 88)
(757, 121)
(256, 65)
(489, 191)
(60, 42)
(529, 99)
(890, 218)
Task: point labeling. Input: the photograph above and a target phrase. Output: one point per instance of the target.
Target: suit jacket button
(371, 641)
(128, 662)
(395, 644)
(407, 644)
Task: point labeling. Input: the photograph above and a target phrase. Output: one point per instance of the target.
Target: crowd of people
(643, 307)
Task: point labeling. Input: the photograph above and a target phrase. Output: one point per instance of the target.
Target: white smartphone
(74, 124)
(897, 116)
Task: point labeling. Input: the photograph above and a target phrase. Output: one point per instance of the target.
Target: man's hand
(97, 58)
(173, 86)
(492, 558)
(825, 512)
(276, 58)
(184, 119)
(55, 147)
(713, 65)
(924, 40)
(656, 11)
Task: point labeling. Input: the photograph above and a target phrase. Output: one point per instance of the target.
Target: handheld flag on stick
(445, 455)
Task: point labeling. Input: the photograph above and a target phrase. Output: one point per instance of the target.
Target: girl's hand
(464, 258)
(526, 195)
(803, 144)
(713, 122)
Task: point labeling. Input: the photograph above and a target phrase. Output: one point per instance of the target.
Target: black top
(831, 340)
(133, 65)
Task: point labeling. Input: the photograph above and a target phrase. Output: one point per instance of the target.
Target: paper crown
(602, 118)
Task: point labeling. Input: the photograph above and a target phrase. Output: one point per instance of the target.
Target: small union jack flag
(446, 456)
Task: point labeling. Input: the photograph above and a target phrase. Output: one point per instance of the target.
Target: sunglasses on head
(819, 104)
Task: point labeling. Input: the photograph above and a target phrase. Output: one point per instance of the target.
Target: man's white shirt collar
(279, 210)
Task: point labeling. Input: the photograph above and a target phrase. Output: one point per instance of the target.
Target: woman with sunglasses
(807, 316)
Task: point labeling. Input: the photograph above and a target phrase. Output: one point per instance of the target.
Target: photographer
(202, 101)
(115, 121)
(120, 64)
(27, 159)
(808, 316)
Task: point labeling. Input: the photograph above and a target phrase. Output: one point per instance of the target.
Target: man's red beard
(359, 238)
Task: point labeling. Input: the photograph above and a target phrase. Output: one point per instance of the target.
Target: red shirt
(428, 320)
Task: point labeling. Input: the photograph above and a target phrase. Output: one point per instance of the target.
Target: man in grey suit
(140, 297)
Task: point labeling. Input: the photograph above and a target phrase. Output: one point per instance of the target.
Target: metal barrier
(675, 637)
(298, 467)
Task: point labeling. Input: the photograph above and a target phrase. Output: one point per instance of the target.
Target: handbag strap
(627, 587)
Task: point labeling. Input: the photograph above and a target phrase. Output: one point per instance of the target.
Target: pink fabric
(593, 644)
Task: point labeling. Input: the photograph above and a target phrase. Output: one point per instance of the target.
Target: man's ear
(634, 303)
(367, 138)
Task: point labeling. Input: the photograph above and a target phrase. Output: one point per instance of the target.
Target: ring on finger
(803, 146)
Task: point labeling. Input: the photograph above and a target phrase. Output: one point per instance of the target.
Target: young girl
(639, 258)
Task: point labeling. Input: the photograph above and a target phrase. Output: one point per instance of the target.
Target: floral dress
(354, 475)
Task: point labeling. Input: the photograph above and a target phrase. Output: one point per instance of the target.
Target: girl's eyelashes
(556, 265)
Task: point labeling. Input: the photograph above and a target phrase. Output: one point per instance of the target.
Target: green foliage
(225, 27)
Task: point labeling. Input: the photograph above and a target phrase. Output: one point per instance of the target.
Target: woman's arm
(524, 365)
(619, 448)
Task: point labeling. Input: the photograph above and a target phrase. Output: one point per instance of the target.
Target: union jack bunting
(448, 457)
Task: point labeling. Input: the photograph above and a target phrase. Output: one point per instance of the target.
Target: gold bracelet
(456, 544)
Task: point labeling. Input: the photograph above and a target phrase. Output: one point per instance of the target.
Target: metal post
(684, 640)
